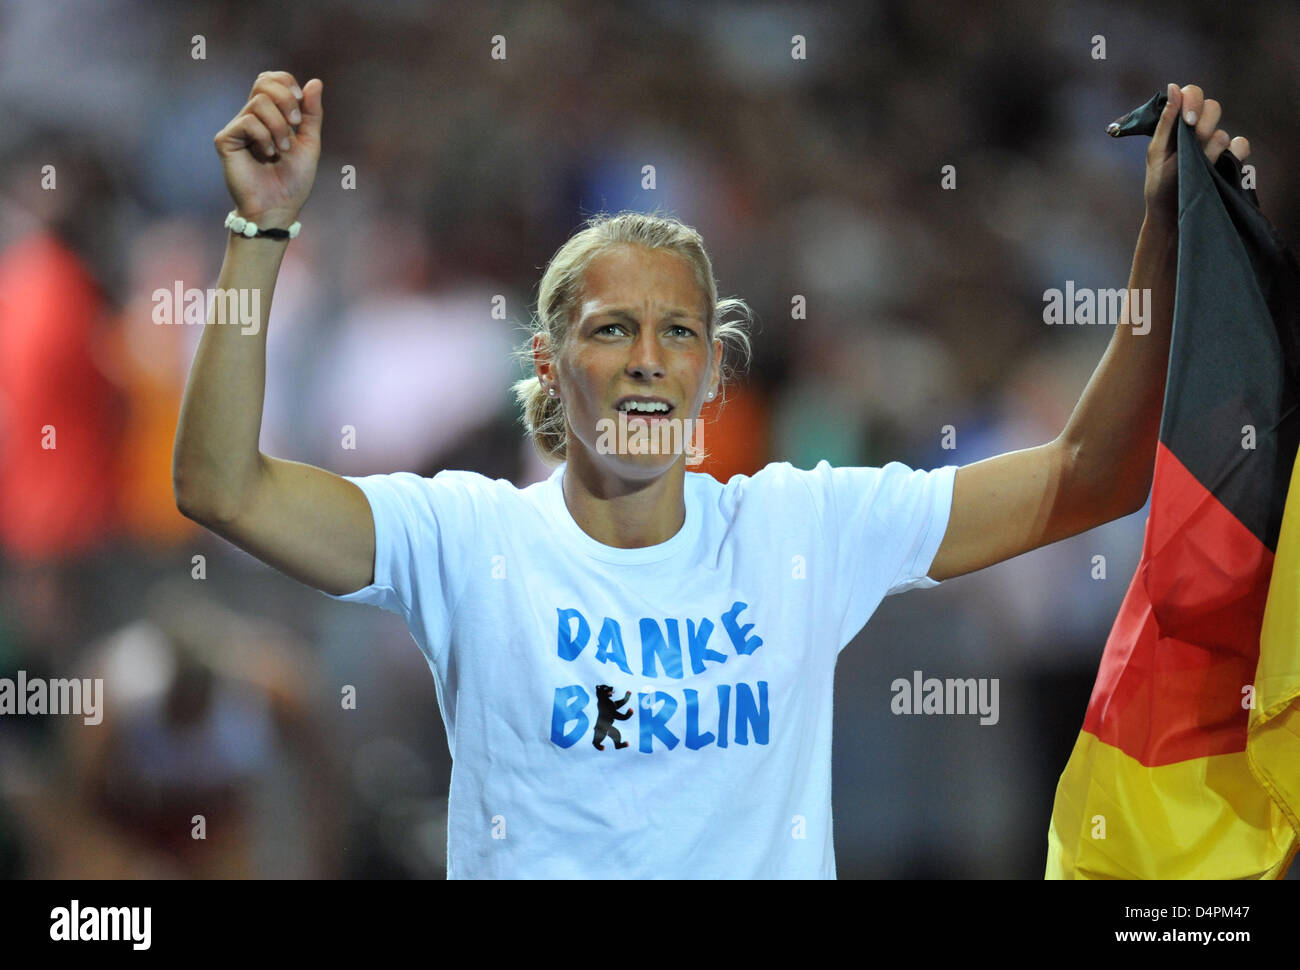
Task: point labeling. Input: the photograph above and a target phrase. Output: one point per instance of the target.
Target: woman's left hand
(1161, 189)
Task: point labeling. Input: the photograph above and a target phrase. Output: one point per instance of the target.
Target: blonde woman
(634, 661)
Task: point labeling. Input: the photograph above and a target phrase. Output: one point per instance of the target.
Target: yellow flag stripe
(1206, 818)
(1273, 735)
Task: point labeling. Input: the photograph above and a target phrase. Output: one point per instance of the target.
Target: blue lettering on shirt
(661, 655)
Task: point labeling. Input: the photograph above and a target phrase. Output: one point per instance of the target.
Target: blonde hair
(560, 294)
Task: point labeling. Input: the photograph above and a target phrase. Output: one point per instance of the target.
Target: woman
(703, 617)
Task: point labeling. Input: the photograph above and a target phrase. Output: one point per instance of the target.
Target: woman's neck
(626, 513)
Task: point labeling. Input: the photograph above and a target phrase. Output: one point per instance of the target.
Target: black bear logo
(609, 713)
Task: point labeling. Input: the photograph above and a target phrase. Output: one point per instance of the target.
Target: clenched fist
(1190, 104)
(270, 148)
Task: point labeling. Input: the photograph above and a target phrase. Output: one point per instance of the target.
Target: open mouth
(647, 409)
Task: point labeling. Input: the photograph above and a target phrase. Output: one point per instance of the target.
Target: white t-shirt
(723, 640)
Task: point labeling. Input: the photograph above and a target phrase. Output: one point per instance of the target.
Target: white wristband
(238, 224)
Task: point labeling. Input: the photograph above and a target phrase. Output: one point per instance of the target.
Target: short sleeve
(420, 525)
(884, 528)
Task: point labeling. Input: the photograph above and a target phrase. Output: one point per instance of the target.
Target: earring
(710, 395)
(552, 392)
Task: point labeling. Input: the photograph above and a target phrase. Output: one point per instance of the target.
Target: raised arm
(1100, 467)
(307, 522)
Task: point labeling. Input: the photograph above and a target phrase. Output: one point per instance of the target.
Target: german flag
(1188, 765)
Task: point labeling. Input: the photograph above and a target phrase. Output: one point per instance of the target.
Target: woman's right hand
(268, 182)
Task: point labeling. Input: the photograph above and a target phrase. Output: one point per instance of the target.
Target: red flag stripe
(1186, 640)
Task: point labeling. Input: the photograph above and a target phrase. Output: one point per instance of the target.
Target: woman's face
(639, 336)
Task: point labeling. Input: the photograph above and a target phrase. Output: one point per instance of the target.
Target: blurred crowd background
(818, 177)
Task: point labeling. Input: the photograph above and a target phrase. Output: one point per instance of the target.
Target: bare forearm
(216, 456)
(1112, 434)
